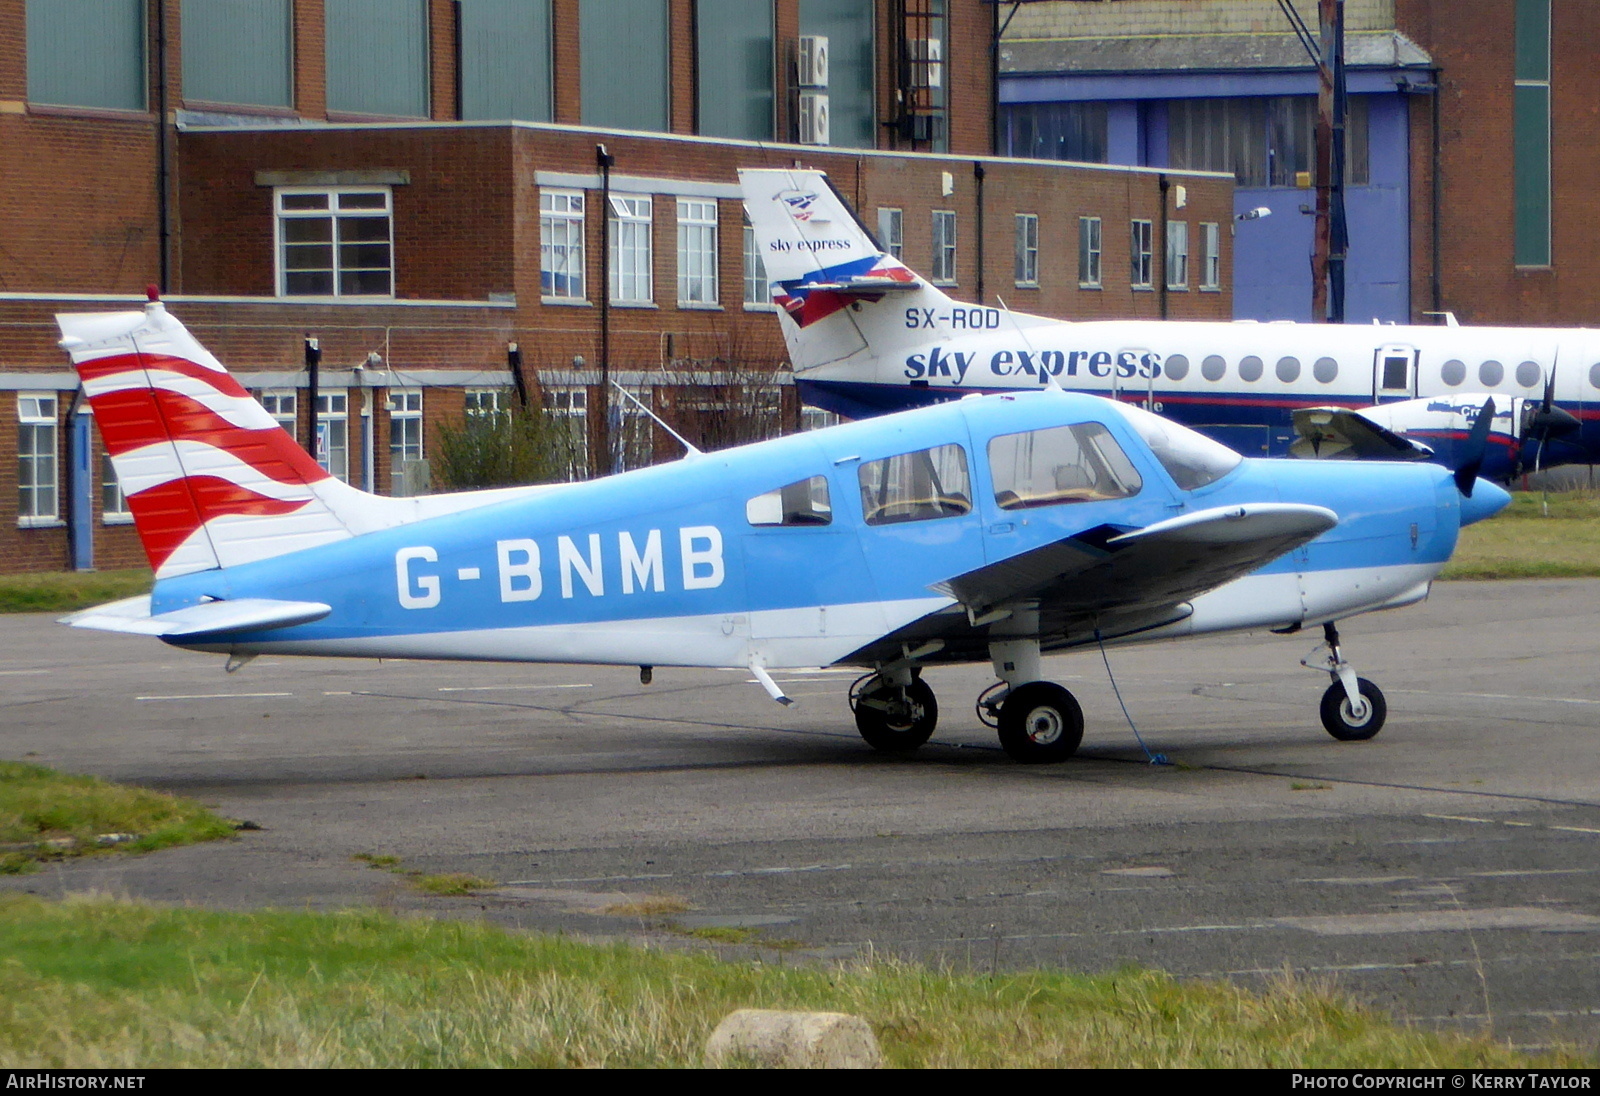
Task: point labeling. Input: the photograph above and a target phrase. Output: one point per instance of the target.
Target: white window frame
(757, 287)
(333, 212)
(572, 403)
(1211, 241)
(1141, 253)
(632, 228)
(1178, 255)
(113, 503)
(486, 402)
(1091, 241)
(405, 425)
(283, 405)
(891, 230)
(697, 253)
(1027, 264)
(333, 444)
(38, 445)
(943, 267)
(561, 246)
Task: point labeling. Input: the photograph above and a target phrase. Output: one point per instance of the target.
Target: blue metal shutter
(87, 53)
(377, 53)
(624, 56)
(238, 51)
(505, 59)
(734, 55)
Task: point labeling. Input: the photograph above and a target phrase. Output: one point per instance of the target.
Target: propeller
(1477, 445)
(1549, 421)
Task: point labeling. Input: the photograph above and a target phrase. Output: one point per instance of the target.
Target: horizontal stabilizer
(1340, 433)
(211, 618)
(867, 286)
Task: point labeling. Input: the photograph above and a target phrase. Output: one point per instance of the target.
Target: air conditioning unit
(813, 116)
(927, 62)
(813, 61)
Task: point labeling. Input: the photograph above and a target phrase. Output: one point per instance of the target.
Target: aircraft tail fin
(211, 478)
(841, 296)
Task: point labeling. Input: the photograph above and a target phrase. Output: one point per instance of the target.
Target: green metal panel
(87, 53)
(624, 54)
(734, 58)
(238, 51)
(1533, 39)
(377, 53)
(505, 59)
(1531, 171)
(851, 106)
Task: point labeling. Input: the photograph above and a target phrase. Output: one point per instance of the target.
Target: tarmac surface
(1447, 871)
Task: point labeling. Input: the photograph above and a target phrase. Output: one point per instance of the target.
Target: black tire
(1040, 723)
(897, 721)
(1336, 715)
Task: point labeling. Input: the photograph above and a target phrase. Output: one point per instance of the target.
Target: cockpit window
(1078, 463)
(803, 502)
(1191, 459)
(920, 486)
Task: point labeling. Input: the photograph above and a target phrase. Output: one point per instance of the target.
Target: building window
(1027, 249)
(113, 503)
(815, 418)
(733, 69)
(889, 234)
(335, 242)
(1089, 252)
(1530, 139)
(561, 266)
(1055, 131)
(757, 289)
(1263, 141)
(485, 403)
(36, 458)
(630, 249)
(1177, 254)
(281, 404)
(405, 425)
(568, 410)
(1211, 241)
(848, 25)
(697, 252)
(1140, 254)
(944, 247)
(333, 434)
(87, 53)
(239, 52)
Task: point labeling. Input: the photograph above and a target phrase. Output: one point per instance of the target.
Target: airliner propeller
(1473, 451)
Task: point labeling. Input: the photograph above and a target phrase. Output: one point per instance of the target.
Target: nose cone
(1487, 500)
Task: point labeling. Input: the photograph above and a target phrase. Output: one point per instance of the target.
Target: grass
(97, 983)
(1521, 542)
(67, 591)
(46, 815)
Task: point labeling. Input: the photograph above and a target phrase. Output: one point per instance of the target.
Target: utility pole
(1332, 242)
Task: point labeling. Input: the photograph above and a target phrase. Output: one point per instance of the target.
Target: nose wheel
(1353, 709)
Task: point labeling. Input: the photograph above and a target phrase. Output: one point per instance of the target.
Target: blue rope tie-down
(1153, 758)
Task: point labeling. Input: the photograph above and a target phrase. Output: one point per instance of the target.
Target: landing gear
(894, 718)
(1040, 723)
(1353, 709)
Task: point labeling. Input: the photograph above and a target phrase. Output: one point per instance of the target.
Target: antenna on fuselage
(690, 450)
(1050, 378)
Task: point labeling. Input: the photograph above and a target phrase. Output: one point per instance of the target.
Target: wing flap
(211, 618)
(1159, 565)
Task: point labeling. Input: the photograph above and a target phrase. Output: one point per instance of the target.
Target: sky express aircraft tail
(211, 478)
(842, 298)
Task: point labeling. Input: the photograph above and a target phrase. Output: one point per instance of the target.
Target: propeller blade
(1473, 452)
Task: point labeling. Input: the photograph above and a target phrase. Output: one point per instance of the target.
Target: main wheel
(896, 720)
(1342, 723)
(1040, 723)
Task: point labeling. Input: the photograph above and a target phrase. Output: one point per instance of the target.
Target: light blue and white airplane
(867, 335)
(996, 528)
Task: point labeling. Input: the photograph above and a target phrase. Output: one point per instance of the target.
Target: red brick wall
(568, 87)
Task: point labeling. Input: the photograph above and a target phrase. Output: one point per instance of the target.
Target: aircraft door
(798, 559)
(1394, 373)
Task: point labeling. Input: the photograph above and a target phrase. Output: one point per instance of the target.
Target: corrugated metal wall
(238, 51)
(735, 63)
(505, 59)
(87, 53)
(624, 55)
(377, 53)
(848, 26)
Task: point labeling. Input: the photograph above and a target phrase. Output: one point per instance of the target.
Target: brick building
(416, 184)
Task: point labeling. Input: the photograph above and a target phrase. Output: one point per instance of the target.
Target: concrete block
(794, 1040)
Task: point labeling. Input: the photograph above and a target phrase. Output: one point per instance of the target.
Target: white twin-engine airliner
(867, 335)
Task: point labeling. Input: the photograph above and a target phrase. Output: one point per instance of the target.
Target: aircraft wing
(1340, 433)
(1111, 570)
(211, 618)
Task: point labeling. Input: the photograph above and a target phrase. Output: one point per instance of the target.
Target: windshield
(1191, 459)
